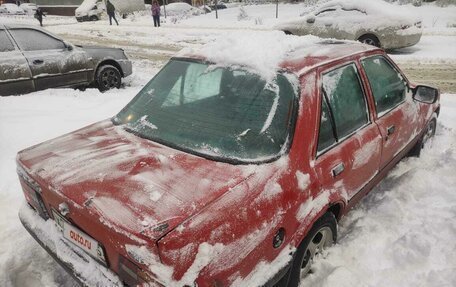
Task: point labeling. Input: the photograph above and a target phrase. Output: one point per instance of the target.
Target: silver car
(373, 22)
(32, 59)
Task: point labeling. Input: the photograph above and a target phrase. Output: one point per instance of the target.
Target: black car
(32, 59)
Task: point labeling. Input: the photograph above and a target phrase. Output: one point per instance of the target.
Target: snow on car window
(5, 43)
(225, 113)
(34, 40)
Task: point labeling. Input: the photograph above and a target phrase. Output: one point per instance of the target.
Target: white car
(29, 8)
(373, 22)
(12, 9)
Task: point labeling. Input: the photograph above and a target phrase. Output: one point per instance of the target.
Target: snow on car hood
(129, 182)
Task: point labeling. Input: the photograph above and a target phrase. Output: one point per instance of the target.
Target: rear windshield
(222, 113)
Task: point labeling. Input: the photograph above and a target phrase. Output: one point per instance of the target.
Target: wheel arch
(108, 62)
(337, 208)
(370, 34)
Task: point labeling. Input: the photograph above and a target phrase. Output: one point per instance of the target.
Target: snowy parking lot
(402, 234)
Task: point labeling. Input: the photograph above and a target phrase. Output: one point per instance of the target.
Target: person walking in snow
(156, 13)
(111, 12)
(39, 15)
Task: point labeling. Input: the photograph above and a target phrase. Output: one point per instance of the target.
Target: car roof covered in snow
(265, 53)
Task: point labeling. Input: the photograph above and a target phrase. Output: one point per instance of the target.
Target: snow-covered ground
(402, 234)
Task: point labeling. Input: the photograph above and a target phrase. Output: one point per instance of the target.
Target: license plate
(79, 238)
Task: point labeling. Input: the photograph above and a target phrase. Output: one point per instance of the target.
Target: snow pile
(246, 49)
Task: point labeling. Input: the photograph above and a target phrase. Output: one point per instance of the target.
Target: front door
(15, 75)
(396, 112)
(349, 143)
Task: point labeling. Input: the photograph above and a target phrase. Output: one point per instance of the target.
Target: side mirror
(310, 19)
(69, 47)
(425, 94)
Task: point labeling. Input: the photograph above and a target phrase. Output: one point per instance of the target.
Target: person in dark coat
(39, 15)
(111, 12)
(156, 13)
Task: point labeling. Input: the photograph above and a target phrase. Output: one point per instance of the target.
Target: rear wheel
(287, 32)
(322, 235)
(108, 77)
(93, 18)
(369, 39)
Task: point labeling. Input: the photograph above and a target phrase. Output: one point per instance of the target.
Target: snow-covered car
(89, 10)
(230, 167)
(32, 59)
(11, 9)
(373, 22)
(29, 8)
(180, 9)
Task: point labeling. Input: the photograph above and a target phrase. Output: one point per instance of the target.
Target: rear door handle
(338, 169)
(38, 62)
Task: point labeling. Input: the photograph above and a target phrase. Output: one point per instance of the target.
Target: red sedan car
(214, 175)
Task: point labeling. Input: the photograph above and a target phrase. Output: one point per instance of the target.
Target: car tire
(428, 133)
(322, 235)
(93, 18)
(369, 39)
(108, 77)
(287, 32)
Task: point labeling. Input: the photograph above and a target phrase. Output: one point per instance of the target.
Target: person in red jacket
(156, 13)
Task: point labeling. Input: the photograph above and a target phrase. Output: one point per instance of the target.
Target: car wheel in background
(93, 18)
(322, 235)
(429, 132)
(287, 32)
(108, 77)
(369, 39)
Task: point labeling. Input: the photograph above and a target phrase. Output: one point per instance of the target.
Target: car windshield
(221, 113)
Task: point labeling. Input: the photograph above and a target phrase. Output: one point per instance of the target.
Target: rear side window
(386, 84)
(5, 42)
(346, 99)
(33, 40)
(344, 108)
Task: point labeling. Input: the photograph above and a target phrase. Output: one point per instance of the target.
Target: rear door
(349, 143)
(15, 75)
(396, 112)
(51, 62)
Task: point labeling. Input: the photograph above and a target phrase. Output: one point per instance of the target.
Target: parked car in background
(11, 9)
(180, 9)
(33, 59)
(92, 10)
(374, 22)
(217, 175)
(219, 6)
(29, 8)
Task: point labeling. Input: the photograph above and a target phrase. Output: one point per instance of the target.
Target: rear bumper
(401, 40)
(86, 270)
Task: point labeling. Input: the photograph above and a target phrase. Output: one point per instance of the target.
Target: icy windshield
(222, 113)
